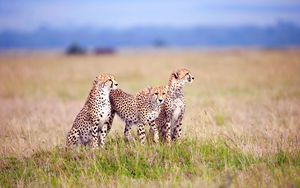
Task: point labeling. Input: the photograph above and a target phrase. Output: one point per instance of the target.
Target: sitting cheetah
(170, 117)
(94, 116)
(141, 109)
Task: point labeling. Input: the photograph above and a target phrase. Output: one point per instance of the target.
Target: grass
(185, 161)
(220, 119)
(241, 126)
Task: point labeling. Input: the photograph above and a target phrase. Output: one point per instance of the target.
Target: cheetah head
(107, 81)
(181, 77)
(158, 94)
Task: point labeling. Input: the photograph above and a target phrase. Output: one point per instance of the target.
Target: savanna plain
(241, 126)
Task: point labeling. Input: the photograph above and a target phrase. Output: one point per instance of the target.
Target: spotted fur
(140, 109)
(170, 118)
(90, 125)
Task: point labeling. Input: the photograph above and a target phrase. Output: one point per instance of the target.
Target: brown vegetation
(250, 99)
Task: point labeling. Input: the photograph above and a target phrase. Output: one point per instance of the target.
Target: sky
(32, 14)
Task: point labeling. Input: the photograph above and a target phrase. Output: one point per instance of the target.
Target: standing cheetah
(171, 115)
(141, 109)
(94, 116)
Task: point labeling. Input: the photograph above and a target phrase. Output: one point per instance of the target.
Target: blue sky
(32, 14)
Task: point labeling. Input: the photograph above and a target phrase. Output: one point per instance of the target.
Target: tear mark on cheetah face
(158, 94)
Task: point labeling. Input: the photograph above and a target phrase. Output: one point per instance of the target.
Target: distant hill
(277, 36)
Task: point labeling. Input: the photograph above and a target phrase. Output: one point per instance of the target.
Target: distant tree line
(76, 49)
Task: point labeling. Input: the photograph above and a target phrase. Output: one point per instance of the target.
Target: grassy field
(241, 126)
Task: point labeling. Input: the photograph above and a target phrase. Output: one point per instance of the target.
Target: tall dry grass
(251, 99)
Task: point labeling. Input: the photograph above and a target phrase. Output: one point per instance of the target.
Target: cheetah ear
(175, 74)
(149, 88)
(95, 81)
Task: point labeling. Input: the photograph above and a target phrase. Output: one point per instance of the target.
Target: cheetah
(140, 109)
(172, 110)
(94, 116)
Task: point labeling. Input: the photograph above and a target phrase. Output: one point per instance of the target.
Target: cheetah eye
(164, 93)
(156, 93)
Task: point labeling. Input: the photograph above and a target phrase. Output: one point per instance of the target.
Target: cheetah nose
(160, 100)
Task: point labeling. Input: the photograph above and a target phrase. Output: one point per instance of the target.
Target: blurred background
(244, 56)
(106, 26)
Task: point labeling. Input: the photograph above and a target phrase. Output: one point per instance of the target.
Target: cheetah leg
(103, 133)
(95, 138)
(167, 127)
(177, 130)
(73, 138)
(161, 131)
(141, 133)
(167, 132)
(127, 132)
(110, 121)
(154, 131)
